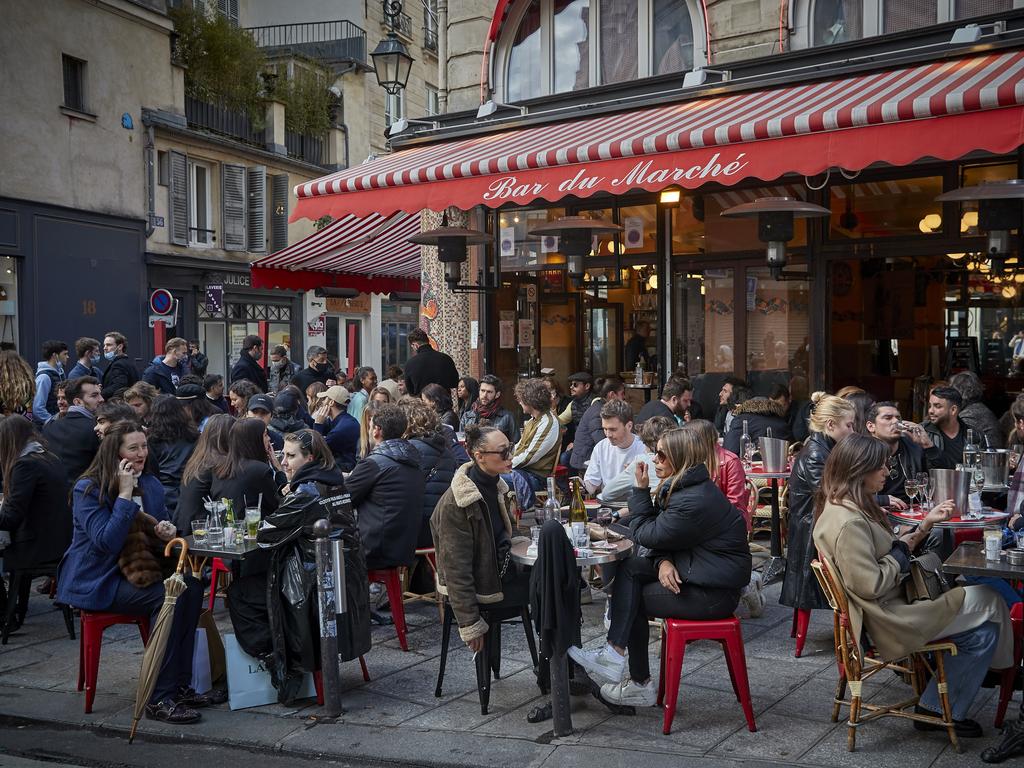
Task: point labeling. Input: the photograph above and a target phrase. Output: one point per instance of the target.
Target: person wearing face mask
(119, 517)
(120, 373)
(317, 369)
(249, 365)
(166, 374)
(281, 370)
(88, 353)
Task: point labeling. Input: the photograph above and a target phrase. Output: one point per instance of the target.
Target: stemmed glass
(924, 486)
(1014, 457)
(912, 487)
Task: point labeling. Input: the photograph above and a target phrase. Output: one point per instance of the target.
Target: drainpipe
(442, 56)
(150, 155)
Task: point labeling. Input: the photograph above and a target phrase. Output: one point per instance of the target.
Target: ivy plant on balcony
(223, 62)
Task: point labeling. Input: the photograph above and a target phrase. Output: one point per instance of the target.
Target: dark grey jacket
(588, 434)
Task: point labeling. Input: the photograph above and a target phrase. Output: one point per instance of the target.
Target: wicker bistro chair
(761, 511)
(856, 667)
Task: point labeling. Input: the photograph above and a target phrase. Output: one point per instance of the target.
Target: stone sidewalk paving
(395, 717)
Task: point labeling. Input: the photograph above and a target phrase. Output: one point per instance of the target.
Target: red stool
(217, 567)
(1009, 676)
(391, 578)
(318, 681)
(674, 637)
(801, 620)
(93, 624)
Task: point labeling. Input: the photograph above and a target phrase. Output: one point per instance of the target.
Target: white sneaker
(631, 693)
(608, 615)
(753, 597)
(601, 665)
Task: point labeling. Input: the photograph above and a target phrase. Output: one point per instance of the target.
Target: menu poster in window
(549, 244)
(238, 334)
(508, 242)
(751, 294)
(633, 237)
(526, 333)
(961, 354)
(506, 334)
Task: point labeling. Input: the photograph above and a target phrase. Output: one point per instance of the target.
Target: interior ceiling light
(652, 282)
(969, 221)
(930, 223)
(1008, 292)
(955, 256)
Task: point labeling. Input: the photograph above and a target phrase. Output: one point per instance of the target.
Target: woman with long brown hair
(245, 474)
(698, 563)
(854, 535)
(111, 565)
(17, 384)
(210, 450)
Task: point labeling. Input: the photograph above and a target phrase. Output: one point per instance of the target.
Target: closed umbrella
(153, 658)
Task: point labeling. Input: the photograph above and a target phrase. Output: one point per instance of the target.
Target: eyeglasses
(505, 453)
(660, 456)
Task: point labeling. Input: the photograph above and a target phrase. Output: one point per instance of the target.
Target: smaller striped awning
(372, 254)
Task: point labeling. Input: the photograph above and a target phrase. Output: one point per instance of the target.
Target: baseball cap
(189, 392)
(261, 403)
(583, 376)
(286, 402)
(337, 393)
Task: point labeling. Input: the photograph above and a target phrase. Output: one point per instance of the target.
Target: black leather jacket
(800, 587)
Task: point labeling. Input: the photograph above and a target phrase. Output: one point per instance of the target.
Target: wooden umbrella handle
(183, 557)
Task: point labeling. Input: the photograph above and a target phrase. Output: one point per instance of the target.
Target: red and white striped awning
(372, 254)
(942, 109)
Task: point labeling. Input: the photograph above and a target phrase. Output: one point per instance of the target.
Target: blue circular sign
(161, 302)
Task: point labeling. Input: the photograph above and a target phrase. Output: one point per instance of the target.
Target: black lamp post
(391, 60)
(775, 217)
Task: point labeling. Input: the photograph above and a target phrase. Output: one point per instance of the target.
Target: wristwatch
(616, 515)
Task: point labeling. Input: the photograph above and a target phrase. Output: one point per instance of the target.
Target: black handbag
(926, 581)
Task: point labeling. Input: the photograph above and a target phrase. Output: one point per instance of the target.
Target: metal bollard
(330, 578)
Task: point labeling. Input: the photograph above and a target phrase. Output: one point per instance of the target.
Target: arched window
(825, 22)
(557, 46)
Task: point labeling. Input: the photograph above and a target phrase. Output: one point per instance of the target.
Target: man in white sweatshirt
(619, 447)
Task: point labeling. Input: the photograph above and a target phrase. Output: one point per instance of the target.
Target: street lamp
(576, 240)
(391, 60)
(451, 245)
(775, 217)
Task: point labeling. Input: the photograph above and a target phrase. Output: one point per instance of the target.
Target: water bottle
(551, 509)
(970, 451)
(746, 448)
(638, 374)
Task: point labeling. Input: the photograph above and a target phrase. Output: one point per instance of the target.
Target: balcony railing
(216, 118)
(301, 146)
(324, 40)
(429, 30)
(401, 24)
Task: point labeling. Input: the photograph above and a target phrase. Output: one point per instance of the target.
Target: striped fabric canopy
(374, 248)
(942, 109)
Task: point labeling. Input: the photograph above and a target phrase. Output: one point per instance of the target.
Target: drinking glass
(924, 485)
(252, 522)
(199, 526)
(912, 488)
(748, 456)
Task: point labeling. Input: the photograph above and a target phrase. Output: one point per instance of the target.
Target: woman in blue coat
(120, 523)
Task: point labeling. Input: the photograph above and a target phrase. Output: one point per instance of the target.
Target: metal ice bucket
(951, 484)
(995, 466)
(773, 454)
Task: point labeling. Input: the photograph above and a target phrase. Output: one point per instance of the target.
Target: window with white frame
(394, 107)
(433, 101)
(556, 46)
(826, 22)
(200, 201)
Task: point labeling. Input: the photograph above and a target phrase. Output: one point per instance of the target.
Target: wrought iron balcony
(329, 41)
(400, 24)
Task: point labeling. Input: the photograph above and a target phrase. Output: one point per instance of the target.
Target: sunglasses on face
(505, 453)
(660, 456)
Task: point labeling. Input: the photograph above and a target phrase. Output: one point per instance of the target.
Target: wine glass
(924, 485)
(748, 455)
(1014, 456)
(912, 489)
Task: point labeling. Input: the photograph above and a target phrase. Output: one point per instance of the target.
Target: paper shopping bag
(249, 681)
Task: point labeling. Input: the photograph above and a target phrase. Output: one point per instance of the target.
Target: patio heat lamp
(1000, 210)
(576, 240)
(451, 244)
(775, 217)
(391, 59)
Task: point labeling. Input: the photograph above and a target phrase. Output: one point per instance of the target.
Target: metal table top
(623, 548)
(969, 559)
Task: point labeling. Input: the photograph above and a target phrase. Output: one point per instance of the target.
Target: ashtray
(1015, 556)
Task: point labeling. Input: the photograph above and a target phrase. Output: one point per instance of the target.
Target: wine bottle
(578, 515)
(552, 510)
(746, 448)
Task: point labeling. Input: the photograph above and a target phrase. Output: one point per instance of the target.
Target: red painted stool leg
(1008, 679)
(801, 621)
(673, 670)
(394, 587)
(366, 672)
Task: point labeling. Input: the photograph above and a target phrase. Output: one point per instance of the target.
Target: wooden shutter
(177, 206)
(257, 208)
(232, 206)
(279, 212)
(229, 9)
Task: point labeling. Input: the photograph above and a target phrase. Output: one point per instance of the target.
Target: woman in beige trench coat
(853, 533)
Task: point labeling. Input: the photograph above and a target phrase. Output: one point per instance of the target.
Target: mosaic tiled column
(444, 315)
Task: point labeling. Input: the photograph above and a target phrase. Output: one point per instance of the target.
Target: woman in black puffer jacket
(832, 420)
(697, 562)
(438, 461)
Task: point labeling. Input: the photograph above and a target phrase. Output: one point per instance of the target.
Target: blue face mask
(109, 355)
(95, 359)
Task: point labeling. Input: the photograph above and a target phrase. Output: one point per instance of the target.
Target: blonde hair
(684, 449)
(17, 384)
(708, 435)
(826, 407)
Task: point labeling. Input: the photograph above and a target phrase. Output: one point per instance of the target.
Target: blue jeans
(525, 484)
(1008, 593)
(965, 671)
(176, 671)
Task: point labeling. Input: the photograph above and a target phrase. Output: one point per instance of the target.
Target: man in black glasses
(907, 444)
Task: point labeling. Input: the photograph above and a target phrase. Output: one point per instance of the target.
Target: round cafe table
(560, 714)
(916, 515)
(776, 565)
